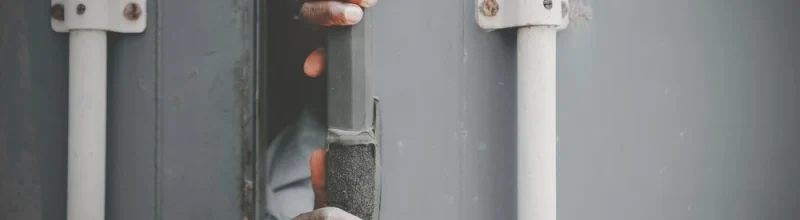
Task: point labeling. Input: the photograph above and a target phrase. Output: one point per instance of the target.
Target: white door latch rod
(537, 22)
(87, 22)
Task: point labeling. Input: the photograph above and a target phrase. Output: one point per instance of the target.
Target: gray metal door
(667, 110)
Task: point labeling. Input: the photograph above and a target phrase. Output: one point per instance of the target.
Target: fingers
(331, 13)
(315, 63)
(318, 177)
(327, 213)
(362, 3)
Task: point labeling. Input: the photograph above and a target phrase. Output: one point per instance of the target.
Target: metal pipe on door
(536, 122)
(87, 125)
(537, 22)
(87, 22)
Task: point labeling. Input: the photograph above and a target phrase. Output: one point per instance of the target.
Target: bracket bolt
(81, 9)
(57, 12)
(548, 4)
(489, 8)
(132, 11)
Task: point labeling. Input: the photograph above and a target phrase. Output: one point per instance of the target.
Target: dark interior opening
(290, 41)
(285, 42)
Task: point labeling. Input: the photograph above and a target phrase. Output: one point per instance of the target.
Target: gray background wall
(667, 110)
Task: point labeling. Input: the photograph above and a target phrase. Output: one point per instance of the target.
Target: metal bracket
(499, 14)
(122, 16)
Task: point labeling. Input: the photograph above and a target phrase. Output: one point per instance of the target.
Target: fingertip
(362, 3)
(318, 154)
(318, 177)
(318, 168)
(367, 3)
(315, 63)
(332, 13)
(353, 14)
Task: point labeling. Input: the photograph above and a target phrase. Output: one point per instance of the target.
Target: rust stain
(244, 80)
(132, 11)
(57, 12)
(579, 12)
(489, 8)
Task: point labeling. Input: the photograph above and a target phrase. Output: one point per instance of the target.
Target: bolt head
(489, 8)
(132, 11)
(81, 9)
(548, 4)
(57, 12)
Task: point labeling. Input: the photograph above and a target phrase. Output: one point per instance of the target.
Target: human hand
(318, 184)
(329, 13)
(327, 213)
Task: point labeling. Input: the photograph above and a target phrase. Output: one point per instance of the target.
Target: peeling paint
(579, 12)
(209, 53)
(401, 148)
(177, 101)
(482, 147)
(242, 73)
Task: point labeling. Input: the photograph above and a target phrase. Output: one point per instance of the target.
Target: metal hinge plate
(122, 16)
(499, 14)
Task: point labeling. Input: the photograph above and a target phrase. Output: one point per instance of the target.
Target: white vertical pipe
(86, 177)
(536, 123)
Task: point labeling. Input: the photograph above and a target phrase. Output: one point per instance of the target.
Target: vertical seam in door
(461, 115)
(157, 124)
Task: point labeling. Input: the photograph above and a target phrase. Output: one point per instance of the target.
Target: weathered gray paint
(680, 110)
(447, 99)
(33, 117)
(667, 110)
(179, 112)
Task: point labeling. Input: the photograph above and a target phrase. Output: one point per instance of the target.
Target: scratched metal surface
(180, 113)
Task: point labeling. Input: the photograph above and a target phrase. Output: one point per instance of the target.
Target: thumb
(318, 177)
(315, 63)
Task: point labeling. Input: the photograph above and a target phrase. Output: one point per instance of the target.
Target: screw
(81, 9)
(57, 12)
(548, 4)
(489, 8)
(132, 11)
